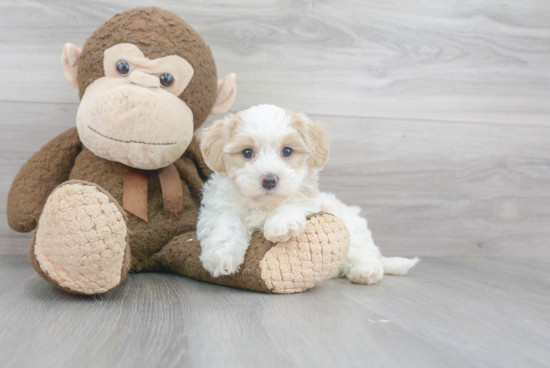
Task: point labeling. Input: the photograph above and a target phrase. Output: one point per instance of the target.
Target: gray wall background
(439, 110)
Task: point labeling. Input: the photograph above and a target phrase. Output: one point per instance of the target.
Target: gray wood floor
(440, 116)
(445, 313)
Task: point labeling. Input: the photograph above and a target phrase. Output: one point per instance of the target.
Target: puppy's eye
(166, 79)
(287, 151)
(122, 67)
(248, 153)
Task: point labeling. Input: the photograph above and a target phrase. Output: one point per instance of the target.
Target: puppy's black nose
(269, 181)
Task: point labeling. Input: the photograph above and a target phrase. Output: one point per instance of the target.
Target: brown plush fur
(157, 33)
(38, 177)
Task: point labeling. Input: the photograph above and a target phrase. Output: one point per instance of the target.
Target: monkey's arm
(38, 177)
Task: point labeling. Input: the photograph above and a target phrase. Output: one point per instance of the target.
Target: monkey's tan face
(133, 114)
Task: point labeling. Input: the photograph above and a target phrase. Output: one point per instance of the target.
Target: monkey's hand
(38, 177)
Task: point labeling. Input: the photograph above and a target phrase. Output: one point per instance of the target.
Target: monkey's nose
(144, 79)
(269, 181)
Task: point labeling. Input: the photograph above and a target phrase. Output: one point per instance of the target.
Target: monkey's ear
(69, 59)
(227, 90)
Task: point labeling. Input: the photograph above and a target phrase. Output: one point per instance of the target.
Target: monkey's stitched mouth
(123, 141)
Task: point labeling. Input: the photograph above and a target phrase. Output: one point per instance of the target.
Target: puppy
(266, 162)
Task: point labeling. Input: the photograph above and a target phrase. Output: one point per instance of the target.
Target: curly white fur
(235, 203)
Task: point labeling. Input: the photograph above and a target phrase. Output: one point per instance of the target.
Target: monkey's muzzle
(141, 127)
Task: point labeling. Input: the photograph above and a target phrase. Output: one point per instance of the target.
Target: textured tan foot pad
(307, 260)
(81, 240)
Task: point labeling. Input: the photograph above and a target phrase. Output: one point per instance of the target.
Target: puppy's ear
(315, 137)
(319, 144)
(214, 139)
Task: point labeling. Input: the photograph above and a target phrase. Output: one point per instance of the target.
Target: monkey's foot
(282, 268)
(81, 243)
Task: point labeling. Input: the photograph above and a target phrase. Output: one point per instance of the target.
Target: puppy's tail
(398, 265)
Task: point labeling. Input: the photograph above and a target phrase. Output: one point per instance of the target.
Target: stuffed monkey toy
(120, 192)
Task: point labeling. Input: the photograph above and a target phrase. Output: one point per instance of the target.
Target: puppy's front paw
(222, 258)
(366, 273)
(281, 228)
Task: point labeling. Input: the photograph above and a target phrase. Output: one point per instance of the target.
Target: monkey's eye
(166, 80)
(287, 151)
(122, 67)
(248, 153)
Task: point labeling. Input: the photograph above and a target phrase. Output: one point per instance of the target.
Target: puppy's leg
(224, 240)
(284, 223)
(363, 263)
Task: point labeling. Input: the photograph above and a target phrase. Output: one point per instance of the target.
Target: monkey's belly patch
(303, 262)
(81, 239)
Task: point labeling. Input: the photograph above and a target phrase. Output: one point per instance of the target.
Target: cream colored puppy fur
(266, 162)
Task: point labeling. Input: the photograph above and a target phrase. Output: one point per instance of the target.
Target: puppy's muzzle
(269, 181)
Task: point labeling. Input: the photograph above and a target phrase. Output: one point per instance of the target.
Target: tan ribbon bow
(134, 191)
